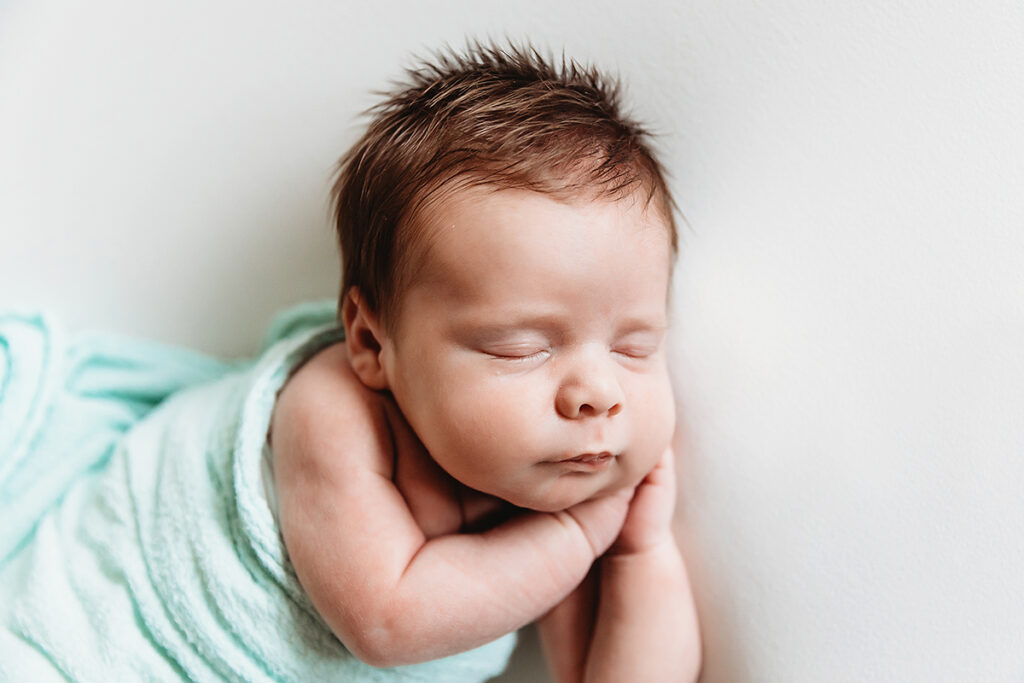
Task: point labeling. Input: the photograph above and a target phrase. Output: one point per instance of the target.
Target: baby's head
(507, 242)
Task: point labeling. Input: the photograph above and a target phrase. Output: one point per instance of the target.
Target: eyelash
(515, 359)
(632, 354)
(636, 354)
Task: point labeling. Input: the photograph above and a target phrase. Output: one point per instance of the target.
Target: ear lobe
(364, 340)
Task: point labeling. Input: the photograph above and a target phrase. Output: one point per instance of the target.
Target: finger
(656, 496)
(601, 519)
(665, 475)
(664, 472)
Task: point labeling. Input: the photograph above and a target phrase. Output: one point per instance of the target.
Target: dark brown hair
(504, 117)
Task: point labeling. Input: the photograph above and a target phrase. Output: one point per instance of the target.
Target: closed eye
(637, 352)
(515, 351)
(517, 355)
(638, 346)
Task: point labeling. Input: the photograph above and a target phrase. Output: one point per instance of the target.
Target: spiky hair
(498, 116)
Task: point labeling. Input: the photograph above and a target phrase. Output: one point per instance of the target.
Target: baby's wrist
(651, 545)
(661, 563)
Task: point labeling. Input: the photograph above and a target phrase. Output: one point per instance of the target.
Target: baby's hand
(601, 518)
(649, 521)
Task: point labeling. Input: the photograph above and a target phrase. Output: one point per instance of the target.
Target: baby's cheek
(491, 420)
(666, 409)
(655, 424)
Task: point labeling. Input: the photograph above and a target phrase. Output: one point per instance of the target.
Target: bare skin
(393, 602)
(638, 600)
(454, 476)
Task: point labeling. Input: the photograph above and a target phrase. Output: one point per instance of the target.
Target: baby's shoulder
(325, 411)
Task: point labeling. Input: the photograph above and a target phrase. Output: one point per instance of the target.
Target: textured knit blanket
(136, 538)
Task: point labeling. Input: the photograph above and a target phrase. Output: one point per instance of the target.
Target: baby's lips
(592, 457)
(592, 451)
(588, 462)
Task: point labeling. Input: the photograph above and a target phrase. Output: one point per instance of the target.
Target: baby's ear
(364, 339)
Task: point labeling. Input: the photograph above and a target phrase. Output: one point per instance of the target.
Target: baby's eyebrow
(641, 324)
(507, 326)
(554, 324)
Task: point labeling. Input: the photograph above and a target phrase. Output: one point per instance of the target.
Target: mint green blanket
(136, 541)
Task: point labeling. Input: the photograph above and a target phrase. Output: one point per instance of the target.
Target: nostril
(588, 410)
(576, 400)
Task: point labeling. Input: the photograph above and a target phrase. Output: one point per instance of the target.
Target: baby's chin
(566, 492)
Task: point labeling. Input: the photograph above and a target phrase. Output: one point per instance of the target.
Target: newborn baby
(489, 446)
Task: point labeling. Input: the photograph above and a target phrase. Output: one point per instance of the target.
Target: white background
(848, 310)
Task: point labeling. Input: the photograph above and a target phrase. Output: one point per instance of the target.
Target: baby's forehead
(513, 254)
(477, 235)
(471, 214)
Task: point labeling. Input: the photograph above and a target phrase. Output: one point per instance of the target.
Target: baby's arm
(391, 594)
(644, 624)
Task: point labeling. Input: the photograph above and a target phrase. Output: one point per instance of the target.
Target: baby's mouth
(589, 462)
(592, 457)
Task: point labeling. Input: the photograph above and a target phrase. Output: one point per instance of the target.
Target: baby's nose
(591, 390)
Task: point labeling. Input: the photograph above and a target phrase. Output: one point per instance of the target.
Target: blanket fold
(136, 540)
